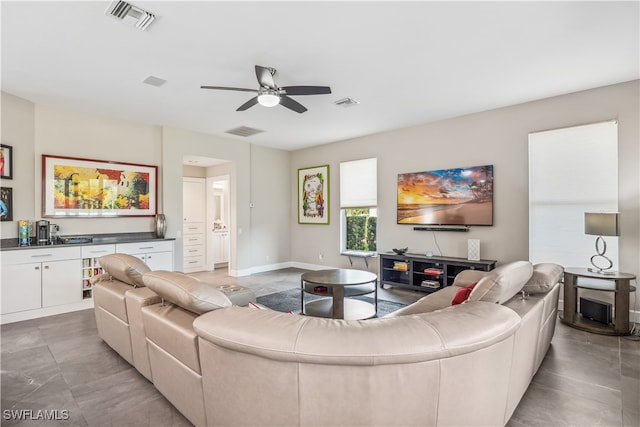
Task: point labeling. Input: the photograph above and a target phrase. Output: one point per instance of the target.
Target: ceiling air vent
(346, 102)
(124, 11)
(154, 81)
(244, 131)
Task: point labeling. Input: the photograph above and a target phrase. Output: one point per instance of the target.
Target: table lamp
(601, 224)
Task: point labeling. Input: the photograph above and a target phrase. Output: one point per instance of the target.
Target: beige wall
(250, 175)
(17, 125)
(34, 129)
(268, 235)
(498, 137)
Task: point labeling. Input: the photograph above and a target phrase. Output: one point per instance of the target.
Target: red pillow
(463, 294)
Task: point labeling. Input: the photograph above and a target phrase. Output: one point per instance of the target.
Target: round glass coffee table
(339, 286)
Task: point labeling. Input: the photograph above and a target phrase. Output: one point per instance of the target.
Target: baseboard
(46, 311)
(272, 267)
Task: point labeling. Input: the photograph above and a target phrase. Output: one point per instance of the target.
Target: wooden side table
(619, 284)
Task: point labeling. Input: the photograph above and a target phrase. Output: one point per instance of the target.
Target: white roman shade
(571, 171)
(359, 183)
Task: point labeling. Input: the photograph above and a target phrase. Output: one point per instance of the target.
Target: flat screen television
(460, 196)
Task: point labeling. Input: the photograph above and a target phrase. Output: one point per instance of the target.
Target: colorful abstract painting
(313, 195)
(84, 187)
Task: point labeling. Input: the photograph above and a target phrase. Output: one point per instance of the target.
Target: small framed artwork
(6, 204)
(313, 195)
(6, 161)
(87, 188)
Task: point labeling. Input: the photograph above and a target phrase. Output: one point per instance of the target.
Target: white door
(193, 199)
(61, 282)
(21, 287)
(160, 261)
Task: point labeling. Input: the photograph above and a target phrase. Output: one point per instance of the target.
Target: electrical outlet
(320, 256)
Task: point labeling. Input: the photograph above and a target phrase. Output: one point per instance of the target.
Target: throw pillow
(545, 276)
(463, 294)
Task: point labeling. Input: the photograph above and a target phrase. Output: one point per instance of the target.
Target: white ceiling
(406, 62)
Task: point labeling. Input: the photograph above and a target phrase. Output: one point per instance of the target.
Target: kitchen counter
(97, 239)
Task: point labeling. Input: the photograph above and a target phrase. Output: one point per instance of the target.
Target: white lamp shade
(601, 223)
(268, 100)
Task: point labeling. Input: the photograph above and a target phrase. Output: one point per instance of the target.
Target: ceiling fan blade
(265, 78)
(307, 90)
(285, 101)
(241, 89)
(250, 103)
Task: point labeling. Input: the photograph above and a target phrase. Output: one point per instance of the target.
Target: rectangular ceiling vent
(346, 102)
(140, 18)
(154, 81)
(244, 131)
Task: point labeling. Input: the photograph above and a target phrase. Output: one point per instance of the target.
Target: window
(358, 205)
(571, 171)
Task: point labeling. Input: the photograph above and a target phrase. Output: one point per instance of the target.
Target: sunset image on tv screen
(460, 196)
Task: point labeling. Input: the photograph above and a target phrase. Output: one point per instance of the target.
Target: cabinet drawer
(40, 255)
(144, 247)
(189, 251)
(193, 228)
(97, 251)
(194, 262)
(193, 239)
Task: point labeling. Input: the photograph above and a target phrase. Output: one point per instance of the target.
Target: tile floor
(59, 363)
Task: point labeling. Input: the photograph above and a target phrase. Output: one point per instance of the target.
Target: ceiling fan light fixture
(268, 99)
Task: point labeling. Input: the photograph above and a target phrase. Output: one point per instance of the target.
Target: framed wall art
(6, 162)
(6, 204)
(74, 187)
(313, 195)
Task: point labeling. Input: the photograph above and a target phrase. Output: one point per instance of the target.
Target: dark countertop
(97, 239)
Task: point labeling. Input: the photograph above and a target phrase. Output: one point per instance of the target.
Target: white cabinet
(220, 247)
(193, 226)
(61, 282)
(193, 249)
(194, 199)
(21, 287)
(39, 278)
(158, 255)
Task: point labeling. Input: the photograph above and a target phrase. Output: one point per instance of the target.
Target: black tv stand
(423, 273)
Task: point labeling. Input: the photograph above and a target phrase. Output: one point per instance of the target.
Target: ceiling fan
(270, 95)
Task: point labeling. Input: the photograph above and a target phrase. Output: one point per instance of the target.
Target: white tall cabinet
(194, 224)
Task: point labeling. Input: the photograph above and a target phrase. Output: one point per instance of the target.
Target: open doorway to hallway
(207, 213)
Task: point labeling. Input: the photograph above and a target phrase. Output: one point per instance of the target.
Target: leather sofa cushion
(502, 283)
(408, 339)
(171, 328)
(110, 295)
(544, 278)
(186, 291)
(126, 268)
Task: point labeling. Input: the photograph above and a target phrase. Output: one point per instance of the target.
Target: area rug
(289, 300)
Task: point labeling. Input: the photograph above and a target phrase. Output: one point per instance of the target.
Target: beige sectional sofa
(147, 317)
(429, 363)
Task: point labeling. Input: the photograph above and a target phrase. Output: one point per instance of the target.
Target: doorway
(218, 219)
